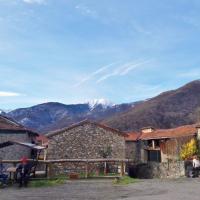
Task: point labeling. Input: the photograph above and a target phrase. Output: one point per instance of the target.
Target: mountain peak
(103, 102)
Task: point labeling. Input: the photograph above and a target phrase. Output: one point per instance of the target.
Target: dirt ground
(179, 189)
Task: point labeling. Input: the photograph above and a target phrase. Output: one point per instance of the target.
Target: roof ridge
(52, 133)
(10, 120)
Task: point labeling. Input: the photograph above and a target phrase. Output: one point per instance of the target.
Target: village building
(84, 140)
(12, 131)
(164, 145)
(159, 151)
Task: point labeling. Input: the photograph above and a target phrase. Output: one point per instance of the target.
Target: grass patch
(125, 180)
(46, 183)
(93, 175)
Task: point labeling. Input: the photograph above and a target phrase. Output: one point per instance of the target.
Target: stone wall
(158, 170)
(87, 141)
(133, 151)
(14, 152)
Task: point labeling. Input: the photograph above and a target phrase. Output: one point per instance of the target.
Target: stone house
(11, 130)
(164, 145)
(159, 151)
(86, 140)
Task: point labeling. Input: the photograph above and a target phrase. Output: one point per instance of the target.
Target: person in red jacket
(23, 172)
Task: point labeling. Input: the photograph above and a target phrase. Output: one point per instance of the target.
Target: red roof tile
(42, 138)
(132, 137)
(181, 131)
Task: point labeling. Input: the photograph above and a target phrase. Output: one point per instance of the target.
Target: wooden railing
(49, 163)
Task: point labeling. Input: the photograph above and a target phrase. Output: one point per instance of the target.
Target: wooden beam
(122, 169)
(86, 170)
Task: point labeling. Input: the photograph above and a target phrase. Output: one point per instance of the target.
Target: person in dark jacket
(23, 171)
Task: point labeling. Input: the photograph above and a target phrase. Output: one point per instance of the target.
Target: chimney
(147, 129)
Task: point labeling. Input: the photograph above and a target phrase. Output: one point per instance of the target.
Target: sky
(74, 51)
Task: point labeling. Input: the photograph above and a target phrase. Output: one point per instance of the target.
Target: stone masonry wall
(86, 141)
(133, 151)
(159, 170)
(14, 152)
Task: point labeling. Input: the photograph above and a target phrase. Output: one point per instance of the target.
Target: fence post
(86, 169)
(122, 169)
(49, 170)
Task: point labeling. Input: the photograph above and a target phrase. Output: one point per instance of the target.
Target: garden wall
(158, 170)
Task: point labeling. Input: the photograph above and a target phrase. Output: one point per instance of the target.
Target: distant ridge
(167, 110)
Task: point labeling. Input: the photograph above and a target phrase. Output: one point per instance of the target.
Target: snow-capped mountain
(100, 102)
(53, 115)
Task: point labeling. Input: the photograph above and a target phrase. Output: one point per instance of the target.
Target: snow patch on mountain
(103, 102)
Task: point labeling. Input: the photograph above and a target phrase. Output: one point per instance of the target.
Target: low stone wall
(80, 167)
(158, 170)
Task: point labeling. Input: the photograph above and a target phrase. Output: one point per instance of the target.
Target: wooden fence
(49, 164)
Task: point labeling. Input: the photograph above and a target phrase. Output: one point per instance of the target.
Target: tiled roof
(132, 137)
(50, 134)
(42, 138)
(7, 124)
(181, 131)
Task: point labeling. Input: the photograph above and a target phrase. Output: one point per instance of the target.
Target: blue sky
(73, 51)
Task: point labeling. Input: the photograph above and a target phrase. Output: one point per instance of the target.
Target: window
(154, 156)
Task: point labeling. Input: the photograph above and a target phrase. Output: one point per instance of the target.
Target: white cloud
(190, 74)
(34, 1)
(85, 10)
(122, 70)
(99, 71)
(137, 27)
(9, 94)
(191, 21)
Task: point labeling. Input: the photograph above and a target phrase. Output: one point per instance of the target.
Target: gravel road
(179, 189)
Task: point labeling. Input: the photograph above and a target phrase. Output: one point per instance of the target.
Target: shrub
(189, 149)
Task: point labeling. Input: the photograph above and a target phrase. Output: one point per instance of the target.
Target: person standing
(23, 171)
(196, 166)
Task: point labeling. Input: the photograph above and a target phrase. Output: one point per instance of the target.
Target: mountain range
(167, 110)
(51, 116)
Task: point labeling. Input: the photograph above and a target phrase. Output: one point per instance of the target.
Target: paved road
(181, 189)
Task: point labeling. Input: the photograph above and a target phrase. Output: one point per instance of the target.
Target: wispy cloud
(190, 74)
(34, 1)
(190, 20)
(85, 10)
(89, 77)
(9, 94)
(139, 28)
(123, 70)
